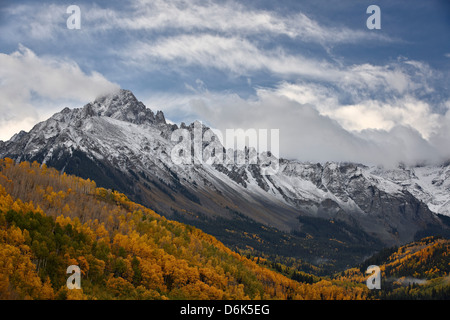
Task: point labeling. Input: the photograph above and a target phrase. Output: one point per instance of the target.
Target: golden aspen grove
(49, 221)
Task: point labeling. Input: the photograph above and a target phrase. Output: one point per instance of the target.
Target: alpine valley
(329, 215)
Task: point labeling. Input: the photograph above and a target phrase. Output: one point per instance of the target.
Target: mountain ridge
(123, 145)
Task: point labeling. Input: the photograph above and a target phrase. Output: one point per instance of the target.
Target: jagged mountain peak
(78, 128)
(17, 136)
(122, 105)
(117, 99)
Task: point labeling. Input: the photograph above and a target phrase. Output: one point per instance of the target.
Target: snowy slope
(430, 184)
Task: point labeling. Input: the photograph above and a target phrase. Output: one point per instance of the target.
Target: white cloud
(372, 114)
(243, 57)
(307, 135)
(378, 114)
(36, 21)
(30, 86)
(441, 138)
(371, 132)
(230, 17)
(231, 54)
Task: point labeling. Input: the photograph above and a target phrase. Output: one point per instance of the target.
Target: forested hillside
(419, 270)
(49, 221)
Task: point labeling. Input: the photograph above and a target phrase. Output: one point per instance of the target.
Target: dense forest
(50, 221)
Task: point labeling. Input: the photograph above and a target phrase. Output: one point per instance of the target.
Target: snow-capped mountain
(123, 145)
